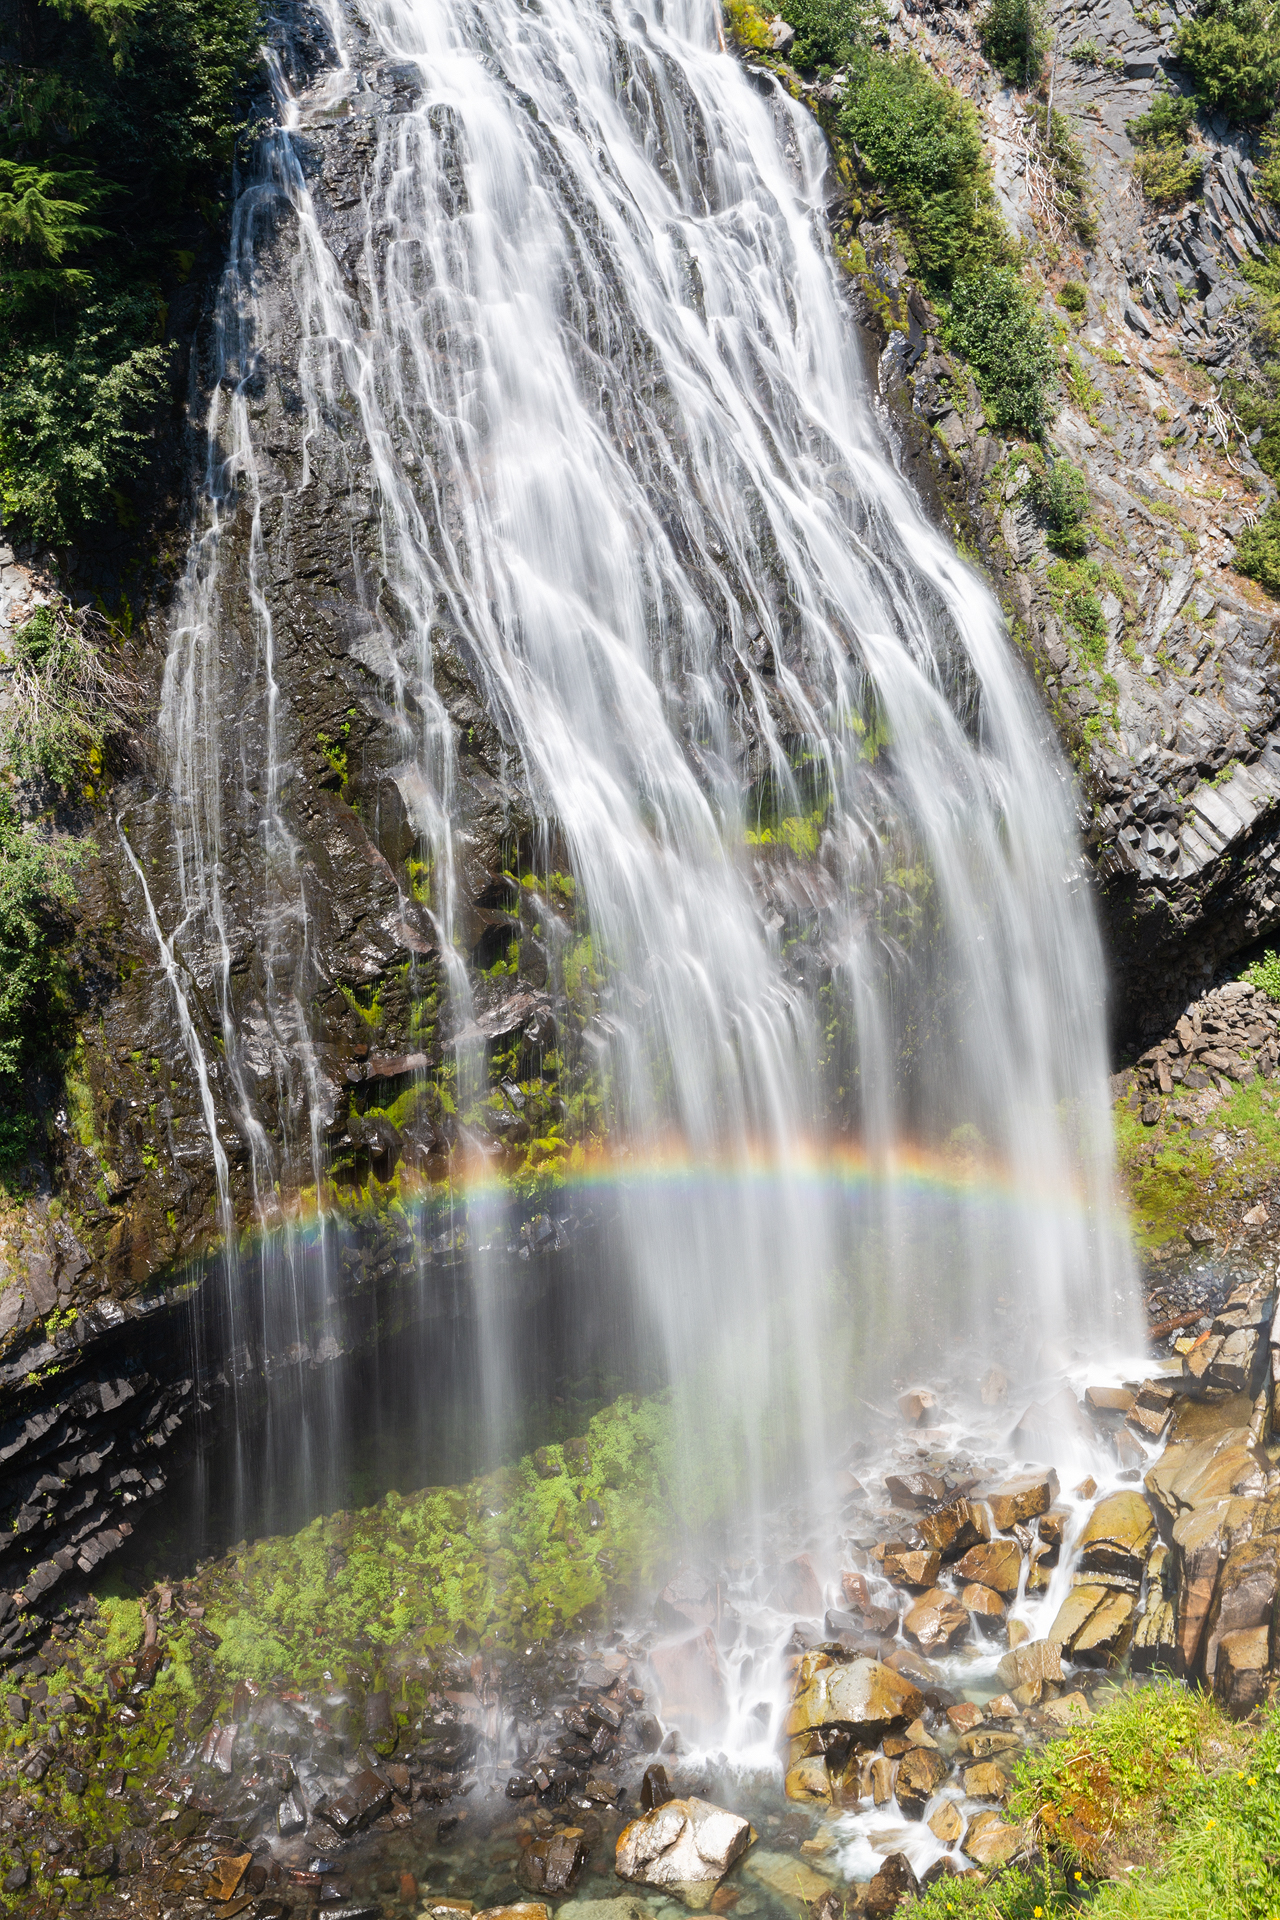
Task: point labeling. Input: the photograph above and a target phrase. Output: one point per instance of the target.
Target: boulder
(890, 1886)
(790, 1879)
(1070, 1711)
(996, 1563)
(985, 1781)
(686, 1845)
(688, 1600)
(1114, 1400)
(864, 1696)
(984, 1603)
(1117, 1537)
(809, 1782)
(1215, 1469)
(912, 1566)
(1034, 1661)
(1244, 1597)
(964, 1717)
(920, 1773)
(1094, 1624)
(1052, 1428)
(990, 1841)
(1202, 1539)
(1016, 1501)
(985, 1742)
(915, 1490)
(946, 1823)
(1154, 1640)
(953, 1529)
(1240, 1674)
(917, 1407)
(938, 1620)
(691, 1684)
(552, 1865)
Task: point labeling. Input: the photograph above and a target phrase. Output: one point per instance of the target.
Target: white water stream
(599, 370)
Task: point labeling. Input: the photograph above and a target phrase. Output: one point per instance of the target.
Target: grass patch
(1167, 1175)
(1072, 588)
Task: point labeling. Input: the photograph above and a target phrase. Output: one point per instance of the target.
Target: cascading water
(830, 931)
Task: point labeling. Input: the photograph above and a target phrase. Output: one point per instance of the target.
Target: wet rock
(225, 1876)
(519, 1910)
(917, 1408)
(365, 1798)
(686, 1845)
(1202, 1540)
(1241, 1671)
(946, 1823)
(218, 1749)
(1035, 1662)
(798, 1588)
(1052, 1426)
(985, 1781)
(16, 1878)
(1245, 1595)
(938, 1620)
(1071, 1710)
(890, 1886)
(953, 1529)
(1196, 1475)
(1154, 1640)
(1117, 1537)
(1117, 1400)
(380, 1726)
(993, 1387)
(1094, 1624)
(691, 1686)
(655, 1789)
(808, 1781)
(920, 1773)
(553, 1865)
(990, 1841)
(790, 1879)
(986, 1606)
(996, 1564)
(865, 1697)
(964, 1717)
(1016, 1501)
(290, 1817)
(915, 1491)
(985, 1742)
(689, 1600)
(911, 1566)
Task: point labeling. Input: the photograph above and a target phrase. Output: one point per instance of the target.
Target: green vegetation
(117, 124)
(828, 32)
(1264, 974)
(1015, 39)
(1165, 167)
(1062, 495)
(1064, 157)
(994, 322)
(1072, 592)
(1158, 1807)
(1255, 400)
(1258, 550)
(68, 706)
(1232, 52)
(922, 142)
(35, 881)
(1166, 1174)
(1072, 297)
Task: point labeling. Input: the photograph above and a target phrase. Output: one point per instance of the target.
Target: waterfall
(831, 969)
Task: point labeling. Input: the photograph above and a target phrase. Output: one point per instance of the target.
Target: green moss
(1167, 1177)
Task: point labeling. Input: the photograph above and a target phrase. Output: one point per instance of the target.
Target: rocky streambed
(831, 1716)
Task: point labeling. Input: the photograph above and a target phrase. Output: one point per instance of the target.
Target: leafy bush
(1015, 39)
(1072, 297)
(115, 134)
(1064, 157)
(1163, 167)
(1258, 550)
(74, 418)
(993, 321)
(66, 704)
(35, 880)
(1072, 588)
(923, 144)
(1264, 974)
(1232, 52)
(1062, 494)
(828, 31)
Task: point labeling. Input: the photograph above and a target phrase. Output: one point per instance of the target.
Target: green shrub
(1072, 588)
(1086, 52)
(1264, 974)
(66, 705)
(115, 133)
(1163, 167)
(828, 31)
(74, 418)
(1062, 494)
(1232, 52)
(923, 144)
(1064, 157)
(1015, 39)
(993, 321)
(1266, 180)
(1170, 117)
(1072, 297)
(35, 880)
(1258, 550)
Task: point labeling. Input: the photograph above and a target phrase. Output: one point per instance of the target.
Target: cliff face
(1174, 724)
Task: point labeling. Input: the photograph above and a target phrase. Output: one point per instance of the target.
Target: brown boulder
(964, 1717)
(552, 1865)
(1117, 1400)
(894, 1883)
(1213, 1469)
(915, 1490)
(1094, 1624)
(1202, 1539)
(1052, 1427)
(809, 1782)
(1245, 1595)
(986, 1742)
(798, 1589)
(920, 1773)
(984, 1603)
(1117, 1537)
(996, 1563)
(689, 1599)
(1036, 1661)
(687, 1845)
(990, 1841)
(985, 1781)
(1016, 1501)
(937, 1621)
(863, 1695)
(953, 1529)
(911, 1566)
(946, 1823)
(1240, 1676)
